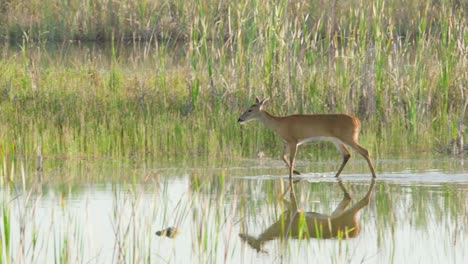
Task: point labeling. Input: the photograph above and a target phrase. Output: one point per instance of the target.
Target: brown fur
(293, 223)
(294, 130)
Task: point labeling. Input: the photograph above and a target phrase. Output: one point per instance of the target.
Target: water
(109, 211)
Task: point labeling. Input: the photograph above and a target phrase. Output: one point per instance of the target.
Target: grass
(168, 80)
(139, 83)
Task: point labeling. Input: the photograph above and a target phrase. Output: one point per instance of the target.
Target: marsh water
(107, 211)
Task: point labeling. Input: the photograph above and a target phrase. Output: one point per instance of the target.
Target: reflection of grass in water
(5, 231)
(402, 72)
(420, 206)
(395, 206)
(211, 209)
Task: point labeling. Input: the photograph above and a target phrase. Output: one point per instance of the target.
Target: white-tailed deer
(343, 223)
(294, 130)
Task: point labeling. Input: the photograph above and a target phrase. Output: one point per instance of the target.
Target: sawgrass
(169, 80)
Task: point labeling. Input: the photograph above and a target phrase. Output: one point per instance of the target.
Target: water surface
(108, 211)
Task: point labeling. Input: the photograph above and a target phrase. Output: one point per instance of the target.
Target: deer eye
(249, 110)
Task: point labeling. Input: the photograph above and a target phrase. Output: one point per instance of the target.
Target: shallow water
(109, 211)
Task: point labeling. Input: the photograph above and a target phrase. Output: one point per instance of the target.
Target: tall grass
(170, 79)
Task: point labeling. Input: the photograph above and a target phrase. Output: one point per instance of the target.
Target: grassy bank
(138, 79)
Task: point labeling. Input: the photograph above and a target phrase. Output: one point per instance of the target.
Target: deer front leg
(285, 159)
(292, 156)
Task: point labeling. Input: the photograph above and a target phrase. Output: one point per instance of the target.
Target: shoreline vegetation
(169, 79)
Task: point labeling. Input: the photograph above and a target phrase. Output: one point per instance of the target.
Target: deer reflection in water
(343, 223)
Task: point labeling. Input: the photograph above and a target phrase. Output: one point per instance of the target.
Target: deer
(293, 223)
(295, 130)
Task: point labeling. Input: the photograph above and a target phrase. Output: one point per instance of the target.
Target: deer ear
(257, 100)
(265, 101)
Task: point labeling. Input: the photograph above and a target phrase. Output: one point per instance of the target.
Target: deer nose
(239, 120)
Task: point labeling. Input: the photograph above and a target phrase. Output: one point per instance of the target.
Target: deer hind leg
(344, 202)
(365, 201)
(363, 152)
(285, 157)
(346, 155)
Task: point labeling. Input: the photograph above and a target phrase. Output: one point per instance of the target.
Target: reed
(169, 80)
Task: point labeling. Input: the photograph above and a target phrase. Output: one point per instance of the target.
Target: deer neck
(269, 120)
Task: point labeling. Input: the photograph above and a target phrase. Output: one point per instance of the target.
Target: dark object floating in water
(170, 232)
